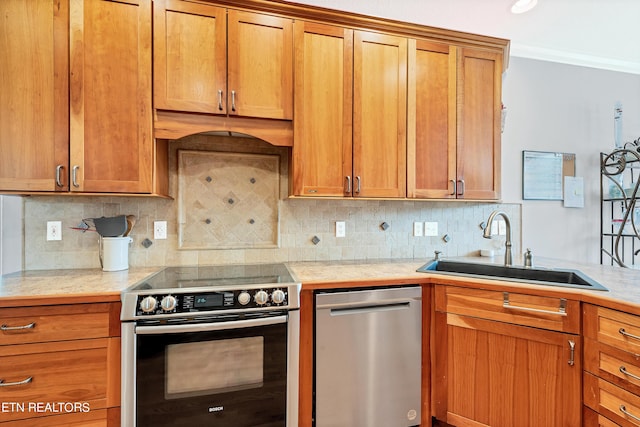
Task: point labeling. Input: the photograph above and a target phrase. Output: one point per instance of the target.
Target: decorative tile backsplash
(227, 200)
(300, 220)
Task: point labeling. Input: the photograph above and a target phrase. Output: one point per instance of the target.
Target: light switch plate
(341, 229)
(430, 228)
(54, 230)
(418, 229)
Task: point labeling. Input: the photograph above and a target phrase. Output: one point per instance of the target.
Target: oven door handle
(205, 327)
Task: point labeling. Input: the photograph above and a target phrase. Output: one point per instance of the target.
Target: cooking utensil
(131, 221)
(111, 227)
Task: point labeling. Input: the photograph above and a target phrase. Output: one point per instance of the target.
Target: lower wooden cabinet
(612, 367)
(60, 365)
(494, 373)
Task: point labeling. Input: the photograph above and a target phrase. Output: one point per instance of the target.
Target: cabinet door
(431, 132)
(479, 97)
(379, 115)
(34, 100)
(111, 122)
(502, 375)
(260, 65)
(190, 57)
(322, 151)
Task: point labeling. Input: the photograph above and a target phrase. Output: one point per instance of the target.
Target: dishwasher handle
(368, 308)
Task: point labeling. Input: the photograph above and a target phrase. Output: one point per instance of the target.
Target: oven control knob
(277, 296)
(168, 303)
(244, 298)
(148, 304)
(261, 297)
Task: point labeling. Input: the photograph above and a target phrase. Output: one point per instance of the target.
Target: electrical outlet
(159, 230)
(430, 228)
(418, 229)
(341, 229)
(54, 230)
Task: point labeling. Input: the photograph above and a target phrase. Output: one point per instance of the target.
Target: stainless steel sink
(537, 276)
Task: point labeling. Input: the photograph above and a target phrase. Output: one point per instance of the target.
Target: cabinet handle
(358, 181)
(461, 193)
(455, 187)
(562, 310)
(233, 100)
(623, 409)
(23, 382)
(627, 334)
(59, 175)
(220, 99)
(623, 369)
(18, 328)
(348, 189)
(572, 352)
(74, 176)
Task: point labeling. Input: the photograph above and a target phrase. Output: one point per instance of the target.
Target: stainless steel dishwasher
(368, 357)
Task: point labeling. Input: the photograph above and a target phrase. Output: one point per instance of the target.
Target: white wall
(11, 234)
(557, 107)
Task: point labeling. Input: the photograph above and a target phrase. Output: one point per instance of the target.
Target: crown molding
(573, 58)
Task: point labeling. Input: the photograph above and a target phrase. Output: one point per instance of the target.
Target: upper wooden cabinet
(111, 128)
(322, 154)
(379, 115)
(454, 122)
(350, 121)
(75, 96)
(34, 97)
(206, 64)
(431, 126)
(479, 110)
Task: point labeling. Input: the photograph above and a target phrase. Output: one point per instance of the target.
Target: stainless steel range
(211, 346)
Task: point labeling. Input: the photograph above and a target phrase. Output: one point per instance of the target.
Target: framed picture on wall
(543, 174)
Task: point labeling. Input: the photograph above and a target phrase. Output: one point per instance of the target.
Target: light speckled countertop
(62, 286)
(94, 285)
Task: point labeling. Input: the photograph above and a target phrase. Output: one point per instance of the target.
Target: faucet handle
(437, 254)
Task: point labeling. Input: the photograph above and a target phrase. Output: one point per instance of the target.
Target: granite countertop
(94, 285)
(73, 285)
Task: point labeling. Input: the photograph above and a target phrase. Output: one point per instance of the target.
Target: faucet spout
(508, 256)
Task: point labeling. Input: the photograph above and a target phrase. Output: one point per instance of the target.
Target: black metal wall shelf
(619, 207)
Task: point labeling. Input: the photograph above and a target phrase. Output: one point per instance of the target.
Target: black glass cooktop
(216, 276)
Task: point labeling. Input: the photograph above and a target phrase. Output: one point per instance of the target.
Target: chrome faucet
(508, 256)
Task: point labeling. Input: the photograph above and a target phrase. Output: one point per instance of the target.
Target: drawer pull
(572, 352)
(562, 310)
(23, 382)
(627, 373)
(623, 409)
(628, 335)
(17, 328)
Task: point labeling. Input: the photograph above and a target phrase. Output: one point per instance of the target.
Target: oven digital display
(208, 300)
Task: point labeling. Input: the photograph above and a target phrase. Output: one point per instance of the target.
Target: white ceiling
(593, 33)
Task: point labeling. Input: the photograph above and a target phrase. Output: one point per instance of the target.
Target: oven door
(226, 373)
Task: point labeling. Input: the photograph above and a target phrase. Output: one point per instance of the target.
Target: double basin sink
(536, 276)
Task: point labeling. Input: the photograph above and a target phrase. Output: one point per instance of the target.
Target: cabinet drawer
(611, 401)
(615, 328)
(592, 419)
(551, 313)
(612, 364)
(55, 323)
(58, 374)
